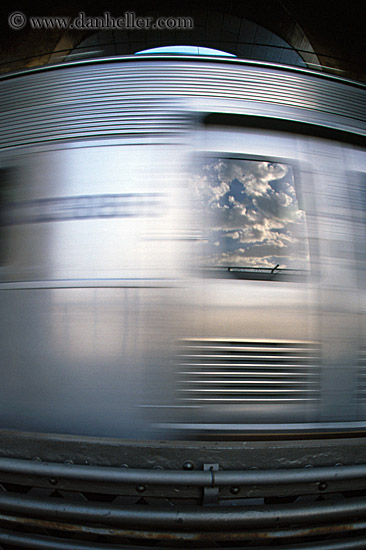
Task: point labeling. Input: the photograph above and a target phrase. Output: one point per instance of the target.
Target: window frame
(256, 273)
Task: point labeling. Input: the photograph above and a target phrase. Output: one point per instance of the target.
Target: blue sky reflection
(251, 214)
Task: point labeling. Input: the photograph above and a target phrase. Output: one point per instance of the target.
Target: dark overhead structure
(327, 36)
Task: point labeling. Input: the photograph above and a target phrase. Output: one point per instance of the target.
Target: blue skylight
(192, 50)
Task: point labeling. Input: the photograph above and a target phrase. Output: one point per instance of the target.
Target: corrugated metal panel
(362, 375)
(243, 371)
(105, 99)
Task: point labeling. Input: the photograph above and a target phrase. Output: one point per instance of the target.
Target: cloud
(251, 212)
(208, 191)
(254, 176)
(235, 235)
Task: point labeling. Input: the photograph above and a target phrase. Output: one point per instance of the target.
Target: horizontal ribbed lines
(224, 371)
(132, 97)
(362, 375)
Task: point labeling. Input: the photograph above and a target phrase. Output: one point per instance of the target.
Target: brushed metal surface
(145, 97)
(94, 300)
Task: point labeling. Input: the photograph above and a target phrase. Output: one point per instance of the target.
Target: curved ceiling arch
(233, 34)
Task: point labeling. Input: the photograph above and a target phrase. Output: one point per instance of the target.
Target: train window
(253, 226)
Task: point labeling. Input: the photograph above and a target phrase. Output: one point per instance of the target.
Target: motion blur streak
(160, 275)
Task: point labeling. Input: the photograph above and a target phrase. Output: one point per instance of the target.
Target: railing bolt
(188, 465)
(322, 486)
(141, 488)
(234, 490)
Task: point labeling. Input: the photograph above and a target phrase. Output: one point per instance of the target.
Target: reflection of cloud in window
(251, 213)
(254, 176)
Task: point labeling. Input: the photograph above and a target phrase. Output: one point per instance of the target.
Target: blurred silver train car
(182, 264)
